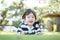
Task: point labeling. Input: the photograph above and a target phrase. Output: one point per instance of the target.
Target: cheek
(34, 19)
(27, 20)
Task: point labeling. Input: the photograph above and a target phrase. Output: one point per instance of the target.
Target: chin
(30, 24)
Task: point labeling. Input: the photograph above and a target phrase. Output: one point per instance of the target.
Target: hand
(23, 32)
(38, 33)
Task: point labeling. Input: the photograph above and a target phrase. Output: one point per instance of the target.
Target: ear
(24, 19)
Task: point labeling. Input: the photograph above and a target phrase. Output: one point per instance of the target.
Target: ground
(43, 36)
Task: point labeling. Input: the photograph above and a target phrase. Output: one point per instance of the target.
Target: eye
(28, 17)
(33, 17)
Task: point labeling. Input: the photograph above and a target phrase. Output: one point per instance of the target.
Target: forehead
(30, 14)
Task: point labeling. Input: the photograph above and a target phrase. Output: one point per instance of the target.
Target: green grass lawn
(44, 36)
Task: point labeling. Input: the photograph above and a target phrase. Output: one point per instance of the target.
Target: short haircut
(27, 12)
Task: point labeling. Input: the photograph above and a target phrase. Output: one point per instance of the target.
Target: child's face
(30, 19)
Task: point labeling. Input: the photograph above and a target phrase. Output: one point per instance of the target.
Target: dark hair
(27, 12)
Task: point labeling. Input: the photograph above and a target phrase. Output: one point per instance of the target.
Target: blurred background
(48, 13)
(48, 16)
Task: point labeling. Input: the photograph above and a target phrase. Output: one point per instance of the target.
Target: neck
(30, 26)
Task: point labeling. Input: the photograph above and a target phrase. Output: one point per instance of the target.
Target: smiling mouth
(30, 21)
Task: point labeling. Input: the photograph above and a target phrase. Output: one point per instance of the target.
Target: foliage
(16, 23)
(18, 8)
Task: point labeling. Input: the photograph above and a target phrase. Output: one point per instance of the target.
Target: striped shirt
(24, 27)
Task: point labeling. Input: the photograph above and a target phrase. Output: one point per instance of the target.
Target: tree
(15, 7)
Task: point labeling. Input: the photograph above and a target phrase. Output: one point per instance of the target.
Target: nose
(31, 18)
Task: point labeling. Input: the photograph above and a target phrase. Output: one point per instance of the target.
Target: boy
(29, 25)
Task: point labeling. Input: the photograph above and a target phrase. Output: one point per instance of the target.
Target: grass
(44, 36)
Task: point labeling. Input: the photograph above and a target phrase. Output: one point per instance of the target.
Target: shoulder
(23, 25)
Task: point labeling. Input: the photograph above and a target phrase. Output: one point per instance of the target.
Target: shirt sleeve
(38, 30)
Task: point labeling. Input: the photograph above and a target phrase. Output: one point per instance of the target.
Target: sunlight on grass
(50, 33)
